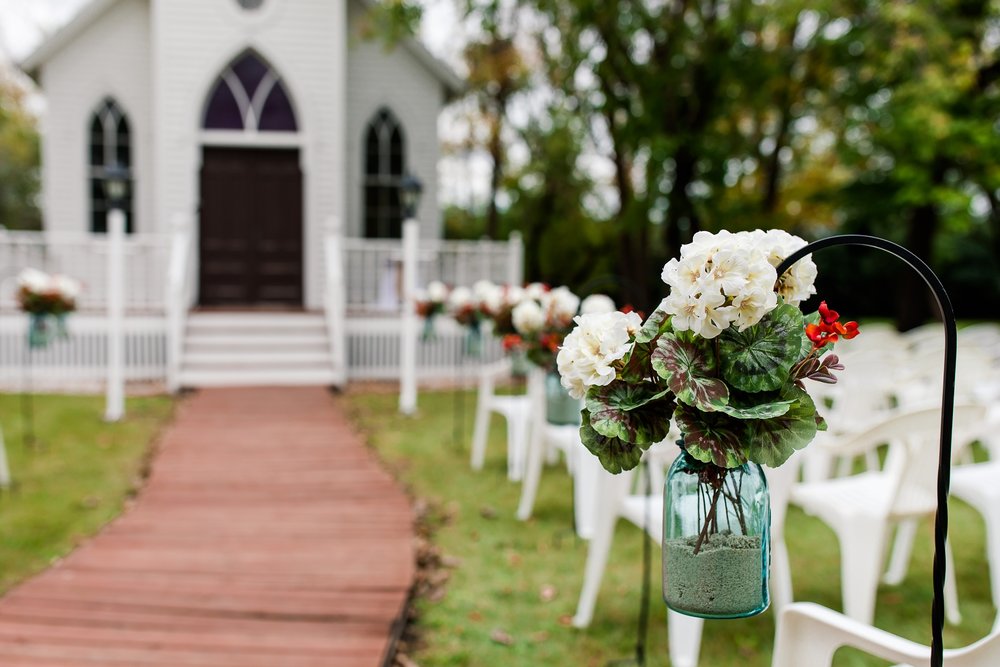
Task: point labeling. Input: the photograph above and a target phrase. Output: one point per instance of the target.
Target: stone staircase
(229, 349)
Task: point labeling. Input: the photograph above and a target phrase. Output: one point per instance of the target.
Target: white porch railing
(373, 268)
(84, 257)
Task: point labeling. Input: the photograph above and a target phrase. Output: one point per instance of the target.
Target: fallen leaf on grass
(501, 637)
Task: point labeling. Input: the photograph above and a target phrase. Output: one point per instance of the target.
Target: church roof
(96, 8)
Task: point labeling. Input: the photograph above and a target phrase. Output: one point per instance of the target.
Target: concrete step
(274, 357)
(255, 377)
(195, 343)
(255, 348)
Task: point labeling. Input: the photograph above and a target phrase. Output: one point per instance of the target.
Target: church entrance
(250, 228)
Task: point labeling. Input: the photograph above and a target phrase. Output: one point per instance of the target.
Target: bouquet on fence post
(47, 299)
(726, 355)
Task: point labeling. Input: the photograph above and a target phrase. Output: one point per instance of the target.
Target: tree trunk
(913, 301)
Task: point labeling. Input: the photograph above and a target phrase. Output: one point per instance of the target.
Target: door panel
(251, 227)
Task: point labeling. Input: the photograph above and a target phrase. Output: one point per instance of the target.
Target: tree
(19, 160)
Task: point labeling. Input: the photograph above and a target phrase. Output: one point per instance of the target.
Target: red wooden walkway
(267, 536)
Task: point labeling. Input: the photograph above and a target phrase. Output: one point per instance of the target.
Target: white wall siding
(110, 58)
(394, 79)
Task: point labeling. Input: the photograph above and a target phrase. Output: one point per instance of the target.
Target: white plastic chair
(516, 409)
(861, 508)
(978, 484)
(808, 635)
(545, 443)
(615, 499)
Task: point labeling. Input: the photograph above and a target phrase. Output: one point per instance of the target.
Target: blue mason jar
(716, 539)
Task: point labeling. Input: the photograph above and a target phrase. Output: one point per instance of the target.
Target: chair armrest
(809, 634)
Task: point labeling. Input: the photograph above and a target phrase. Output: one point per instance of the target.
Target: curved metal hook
(947, 406)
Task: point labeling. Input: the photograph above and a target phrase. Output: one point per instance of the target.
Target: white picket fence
(79, 362)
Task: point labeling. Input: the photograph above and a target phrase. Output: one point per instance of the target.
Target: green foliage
(391, 21)
(615, 454)
(689, 365)
(19, 160)
(759, 357)
(712, 437)
(637, 413)
(772, 441)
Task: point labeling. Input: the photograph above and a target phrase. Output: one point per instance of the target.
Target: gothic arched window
(249, 96)
(384, 160)
(110, 143)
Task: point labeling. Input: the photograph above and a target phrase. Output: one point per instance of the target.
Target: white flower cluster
(42, 284)
(542, 308)
(729, 279)
(589, 352)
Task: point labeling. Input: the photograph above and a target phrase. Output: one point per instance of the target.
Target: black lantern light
(410, 190)
(116, 185)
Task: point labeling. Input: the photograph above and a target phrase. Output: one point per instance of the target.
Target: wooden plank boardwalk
(267, 536)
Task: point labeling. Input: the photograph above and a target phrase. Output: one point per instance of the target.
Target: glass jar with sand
(716, 550)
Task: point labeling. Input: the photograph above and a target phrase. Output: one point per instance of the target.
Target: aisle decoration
(725, 355)
(47, 299)
(432, 302)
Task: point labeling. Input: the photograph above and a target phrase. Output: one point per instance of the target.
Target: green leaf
(635, 413)
(772, 441)
(712, 437)
(689, 366)
(743, 406)
(614, 454)
(759, 358)
(635, 364)
(655, 325)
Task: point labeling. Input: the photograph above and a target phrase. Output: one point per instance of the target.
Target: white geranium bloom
(34, 280)
(459, 298)
(587, 356)
(561, 306)
(513, 295)
(528, 317)
(752, 305)
(597, 303)
(437, 291)
(535, 291)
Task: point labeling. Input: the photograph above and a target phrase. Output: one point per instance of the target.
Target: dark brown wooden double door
(251, 227)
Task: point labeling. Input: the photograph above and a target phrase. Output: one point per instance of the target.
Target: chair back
(913, 461)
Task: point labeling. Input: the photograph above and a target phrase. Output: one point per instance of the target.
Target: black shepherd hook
(947, 407)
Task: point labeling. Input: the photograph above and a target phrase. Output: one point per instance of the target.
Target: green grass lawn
(76, 479)
(513, 585)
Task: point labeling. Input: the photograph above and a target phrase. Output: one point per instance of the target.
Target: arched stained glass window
(249, 95)
(384, 160)
(110, 143)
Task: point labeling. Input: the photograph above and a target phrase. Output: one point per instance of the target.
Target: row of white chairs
(897, 493)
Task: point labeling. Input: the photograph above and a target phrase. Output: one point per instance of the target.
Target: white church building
(265, 142)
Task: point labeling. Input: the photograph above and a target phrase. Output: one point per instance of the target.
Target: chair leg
(781, 575)
(860, 564)
(585, 495)
(951, 611)
(517, 446)
(683, 638)
(993, 554)
(597, 551)
(532, 473)
(899, 562)
(480, 430)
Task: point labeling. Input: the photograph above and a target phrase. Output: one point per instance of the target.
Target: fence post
(408, 328)
(336, 297)
(115, 408)
(176, 297)
(515, 259)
